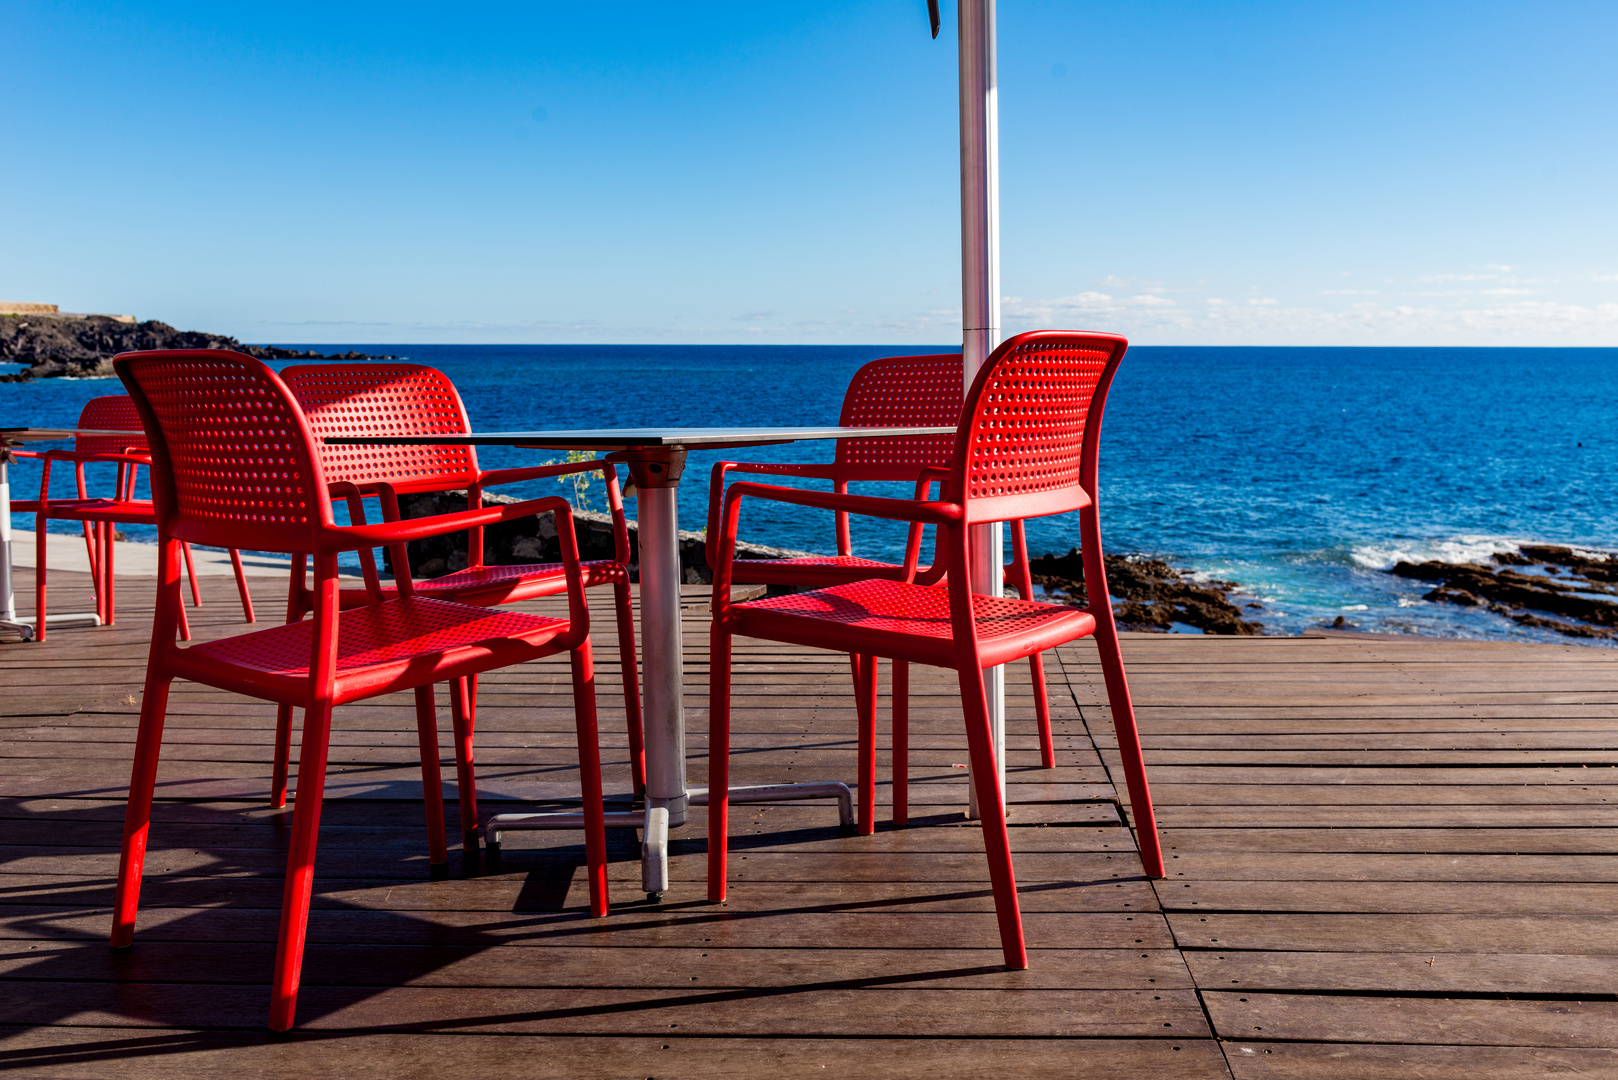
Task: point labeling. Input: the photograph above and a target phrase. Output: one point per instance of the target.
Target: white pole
(980, 289)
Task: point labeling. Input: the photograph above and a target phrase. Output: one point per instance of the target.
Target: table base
(654, 848)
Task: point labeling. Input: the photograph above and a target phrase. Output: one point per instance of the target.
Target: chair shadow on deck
(202, 959)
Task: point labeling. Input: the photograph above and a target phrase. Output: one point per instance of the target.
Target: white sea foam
(1460, 549)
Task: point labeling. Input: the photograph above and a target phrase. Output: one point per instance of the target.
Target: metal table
(656, 460)
(10, 439)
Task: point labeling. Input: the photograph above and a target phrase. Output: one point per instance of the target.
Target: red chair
(891, 392)
(234, 463)
(113, 413)
(1027, 447)
(408, 399)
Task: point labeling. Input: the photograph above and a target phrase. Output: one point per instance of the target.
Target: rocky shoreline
(1154, 595)
(82, 346)
(1538, 585)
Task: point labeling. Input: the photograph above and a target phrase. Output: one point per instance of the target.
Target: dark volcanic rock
(1563, 586)
(83, 346)
(1154, 594)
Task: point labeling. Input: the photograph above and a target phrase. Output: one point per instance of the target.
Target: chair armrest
(716, 486)
(609, 474)
(928, 513)
(354, 537)
(811, 470)
(137, 457)
(492, 477)
(933, 513)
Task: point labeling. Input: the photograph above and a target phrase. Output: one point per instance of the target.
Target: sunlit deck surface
(1387, 858)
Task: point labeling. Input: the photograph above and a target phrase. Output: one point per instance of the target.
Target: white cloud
(1513, 322)
(1262, 300)
(1348, 292)
(1507, 292)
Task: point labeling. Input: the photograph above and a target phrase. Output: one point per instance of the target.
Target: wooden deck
(1387, 858)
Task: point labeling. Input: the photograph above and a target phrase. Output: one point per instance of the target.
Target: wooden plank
(84, 1053)
(1336, 932)
(1340, 1061)
(1571, 974)
(591, 967)
(1415, 897)
(1461, 1021)
(1378, 866)
(802, 1011)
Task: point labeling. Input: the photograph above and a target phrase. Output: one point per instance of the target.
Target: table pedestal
(656, 472)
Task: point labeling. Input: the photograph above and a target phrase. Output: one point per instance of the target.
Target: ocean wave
(1459, 549)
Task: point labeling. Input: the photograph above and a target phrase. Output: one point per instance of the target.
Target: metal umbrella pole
(980, 294)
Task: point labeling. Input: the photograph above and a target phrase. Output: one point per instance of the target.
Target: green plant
(581, 482)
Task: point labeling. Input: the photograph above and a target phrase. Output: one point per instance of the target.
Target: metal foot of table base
(25, 630)
(769, 793)
(654, 848)
(21, 629)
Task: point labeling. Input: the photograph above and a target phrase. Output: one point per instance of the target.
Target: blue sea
(1300, 473)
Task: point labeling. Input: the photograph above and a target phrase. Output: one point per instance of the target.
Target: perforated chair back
(1030, 430)
(386, 399)
(112, 413)
(234, 464)
(900, 391)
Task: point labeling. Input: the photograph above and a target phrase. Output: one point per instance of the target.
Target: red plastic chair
(112, 413)
(891, 392)
(234, 462)
(1027, 447)
(409, 399)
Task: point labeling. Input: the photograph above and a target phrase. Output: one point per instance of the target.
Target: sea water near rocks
(1302, 473)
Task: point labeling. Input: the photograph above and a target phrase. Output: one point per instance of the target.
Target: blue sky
(1184, 173)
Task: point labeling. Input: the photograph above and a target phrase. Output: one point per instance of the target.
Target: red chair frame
(234, 462)
(1027, 446)
(894, 391)
(411, 399)
(110, 413)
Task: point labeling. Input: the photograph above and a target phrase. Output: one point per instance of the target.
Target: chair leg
(300, 877)
(138, 814)
(865, 706)
(241, 586)
(283, 754)
(108, 554)
(595, 830)
(432, 777)
(39, 582)
(901, 742)
(996, 841)
(718, 759)
(191, 575)
(1022, 580)
(1042, 710)
(90, 552)
(632, 712)
(185, 623)
(1123, 724)
(465, 776)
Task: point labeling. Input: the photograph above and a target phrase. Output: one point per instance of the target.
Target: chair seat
(492, 585)
(396, 645)
(816, 570)
(909, 622)
(122, 511)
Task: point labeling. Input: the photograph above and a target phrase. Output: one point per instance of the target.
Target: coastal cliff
(82, 346)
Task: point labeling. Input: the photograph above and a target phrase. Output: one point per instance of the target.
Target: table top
(633, 438)
(40, 434)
